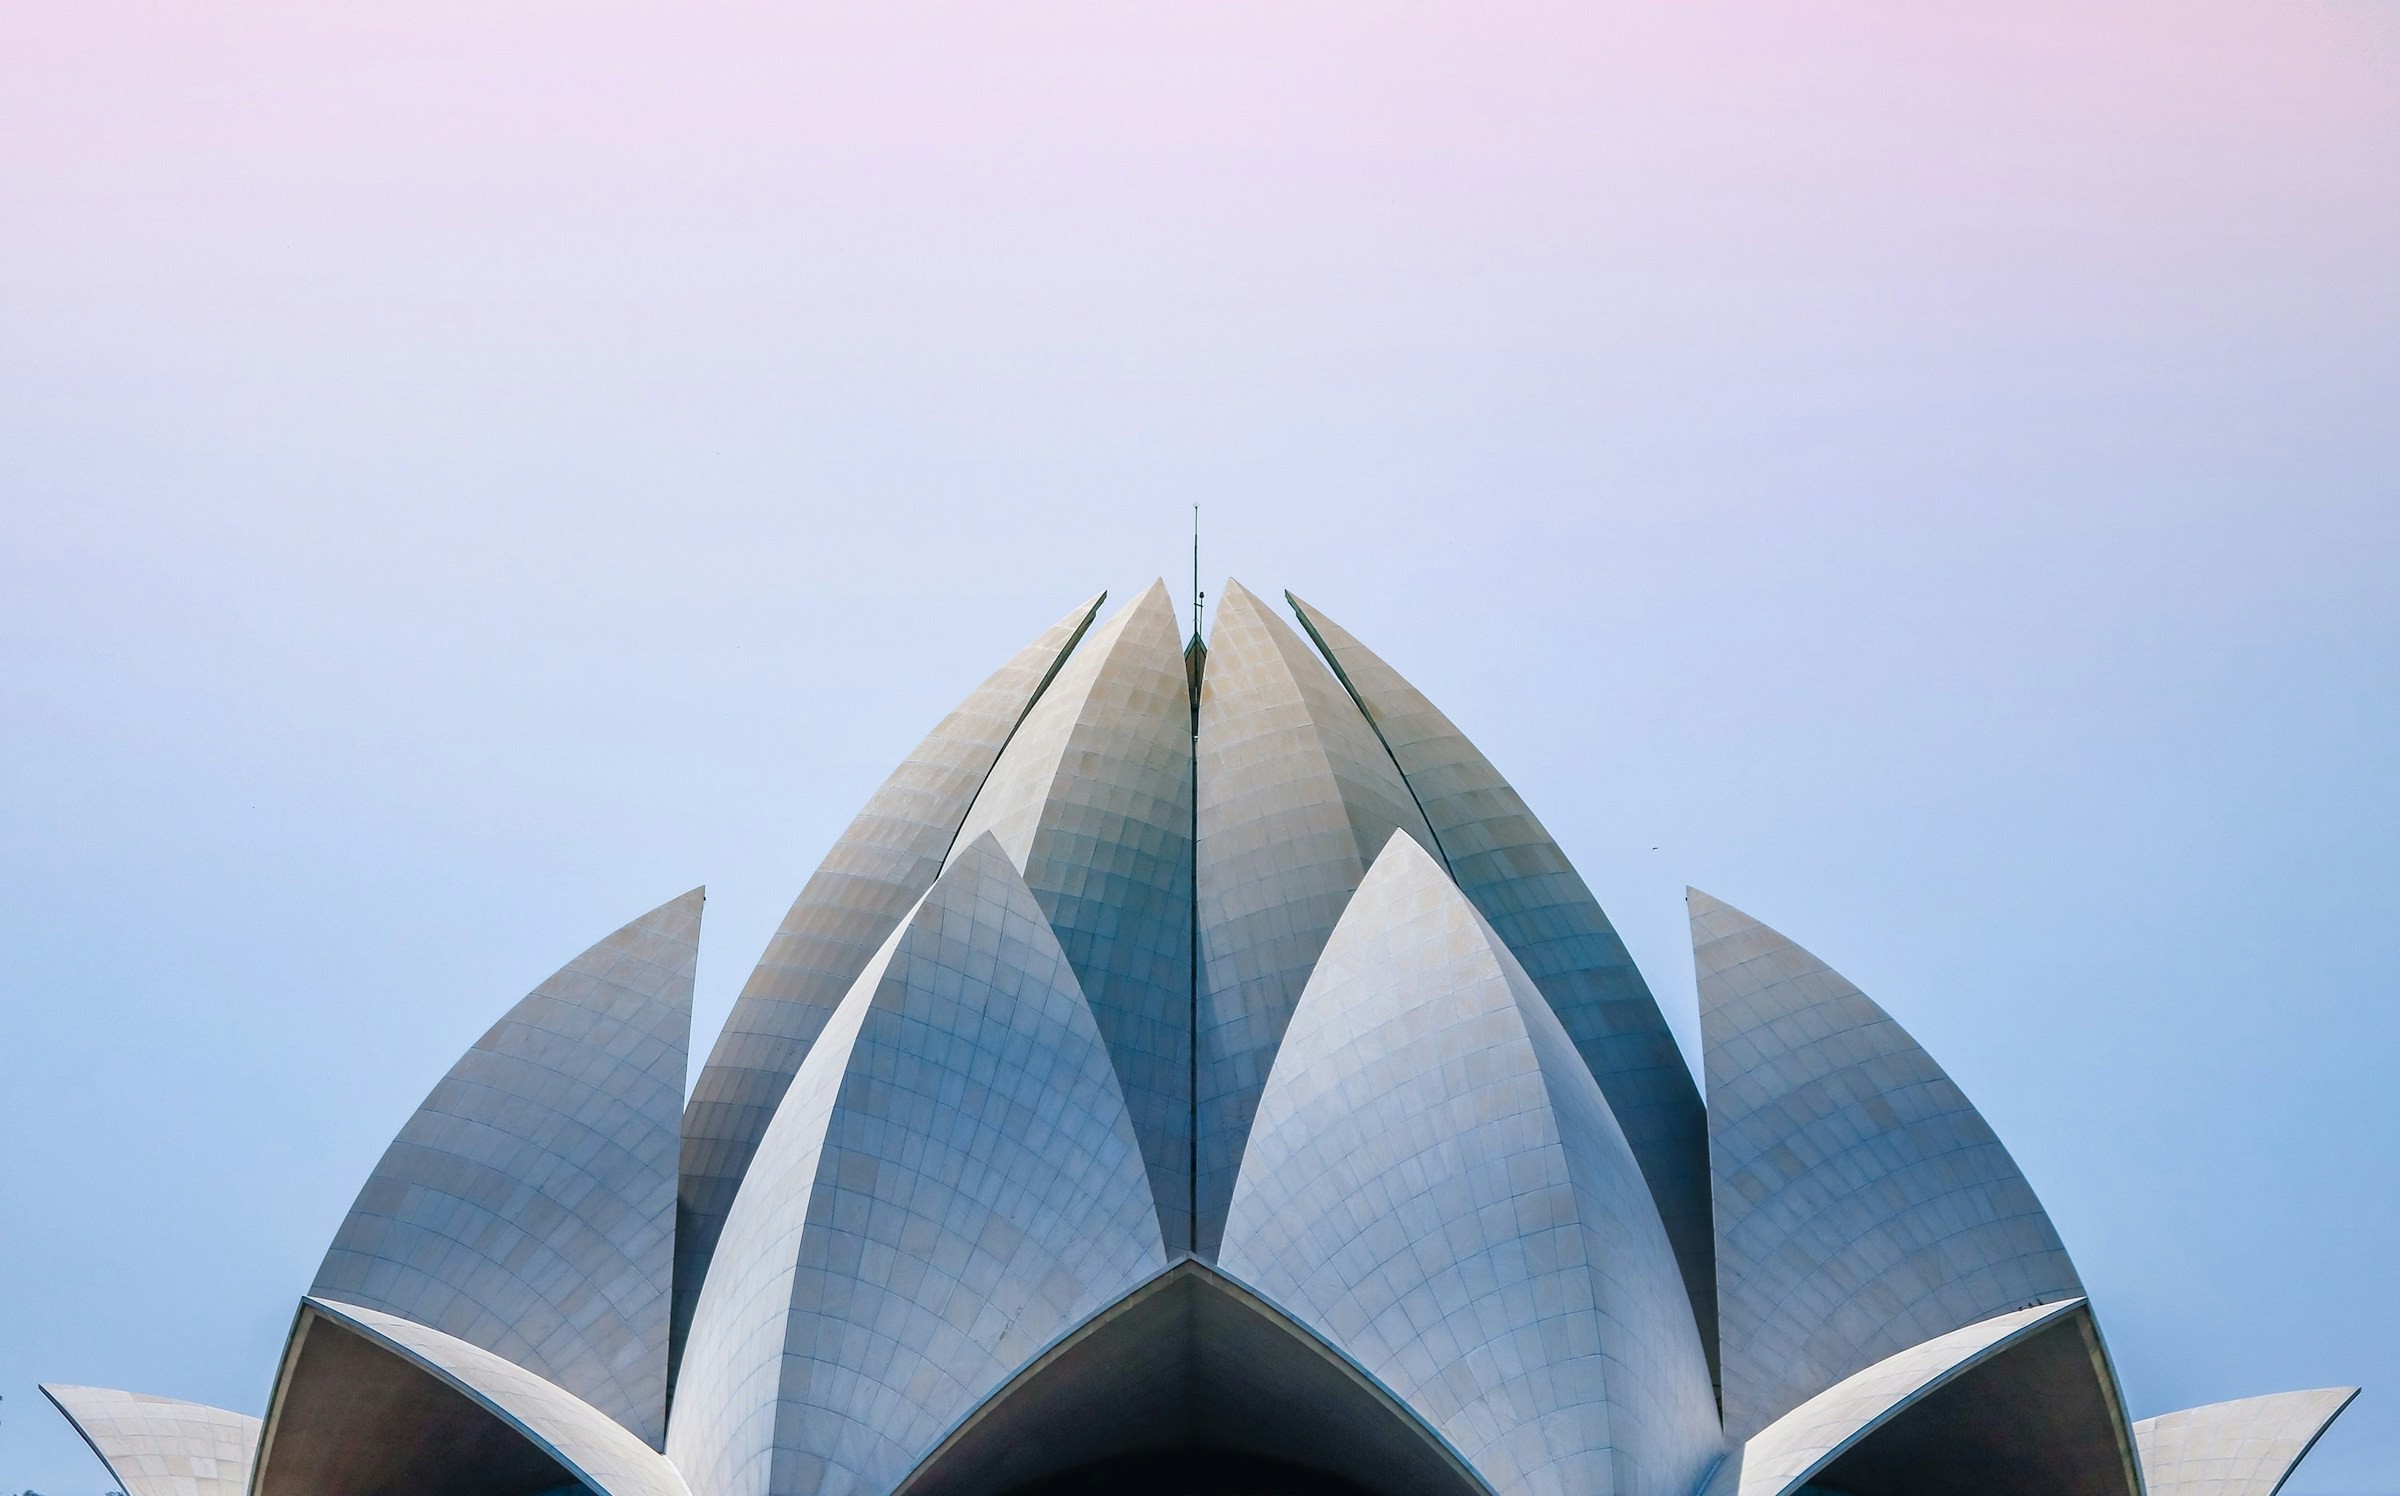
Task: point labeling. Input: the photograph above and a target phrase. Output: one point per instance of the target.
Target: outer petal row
(970, 1188)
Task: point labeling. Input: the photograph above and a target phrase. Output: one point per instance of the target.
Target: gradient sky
(469, 472)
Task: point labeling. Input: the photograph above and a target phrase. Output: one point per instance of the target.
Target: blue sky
(469, 473)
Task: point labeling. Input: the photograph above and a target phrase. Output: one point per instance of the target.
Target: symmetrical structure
(1196, 1070)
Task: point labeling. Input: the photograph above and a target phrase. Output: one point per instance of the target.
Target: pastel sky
(1927, 474)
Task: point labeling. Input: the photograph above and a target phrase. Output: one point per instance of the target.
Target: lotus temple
(1196, 1072)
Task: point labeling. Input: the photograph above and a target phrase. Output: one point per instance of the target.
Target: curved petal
(1296, 798)
(1779, 1459)
(1435, 1185)
(2248, 1447)
(1863, 1206)
(952, 1181)
(158, 1446)
(376, 1405)
(873, 876)
(1093, 803)
(1508, 865)
(2037, 1412)
(529, 1205)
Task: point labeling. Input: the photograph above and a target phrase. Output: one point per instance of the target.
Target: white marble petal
(1863, 1206)
(1435, 1185)
(2248, 1447)
(1296, 797)
(952, 1182)
(1093, 803)
(529, 1205)
(1519, 879)
(876, 872)
(594, 1447)
(159, 1446)
(1779, 1459)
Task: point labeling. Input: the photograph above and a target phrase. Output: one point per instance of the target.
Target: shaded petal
(1192, 1360)
(371, 1404)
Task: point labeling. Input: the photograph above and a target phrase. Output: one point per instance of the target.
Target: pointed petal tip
(1062, 637)
(985, 845)
(1080, 616)
(1309, 613)
(2345, 1396)
(1152, 601)
(1404, 852)
(1699, 903)
(684, 907)
(1338, 644)
(1233, 595)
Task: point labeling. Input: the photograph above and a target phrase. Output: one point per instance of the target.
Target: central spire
(1195, 654)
